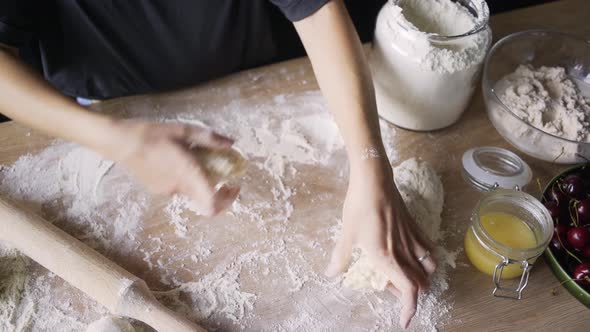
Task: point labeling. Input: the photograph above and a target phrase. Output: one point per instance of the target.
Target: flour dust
(257, 267)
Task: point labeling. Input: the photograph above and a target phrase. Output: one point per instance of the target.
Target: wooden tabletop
(474, 308)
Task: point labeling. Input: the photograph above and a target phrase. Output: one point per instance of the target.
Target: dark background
(363, 13)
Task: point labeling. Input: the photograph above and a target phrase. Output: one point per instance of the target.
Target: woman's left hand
(376, 220)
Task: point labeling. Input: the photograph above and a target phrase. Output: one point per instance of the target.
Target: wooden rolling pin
(109, 284)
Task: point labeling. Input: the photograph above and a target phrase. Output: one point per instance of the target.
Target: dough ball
(110, 324)
(422, 191)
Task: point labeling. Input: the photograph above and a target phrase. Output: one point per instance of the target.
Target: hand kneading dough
(110, 324)
(422, 191)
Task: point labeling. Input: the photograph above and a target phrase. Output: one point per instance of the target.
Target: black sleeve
(296, 10)
(17, 21)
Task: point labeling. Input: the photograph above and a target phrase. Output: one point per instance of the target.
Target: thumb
(341, 256)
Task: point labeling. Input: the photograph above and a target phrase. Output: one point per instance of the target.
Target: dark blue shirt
(110, 48)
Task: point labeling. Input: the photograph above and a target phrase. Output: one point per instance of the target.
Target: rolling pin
(109, 284)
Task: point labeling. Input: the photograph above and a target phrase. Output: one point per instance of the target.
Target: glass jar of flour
(426, 60)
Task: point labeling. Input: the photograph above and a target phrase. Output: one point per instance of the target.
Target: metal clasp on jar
(504, 292)
(511, 293)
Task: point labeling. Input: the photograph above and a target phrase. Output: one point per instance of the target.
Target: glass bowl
(537, 48)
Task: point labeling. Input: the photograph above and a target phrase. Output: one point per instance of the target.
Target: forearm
(28, 99)
(340, 67)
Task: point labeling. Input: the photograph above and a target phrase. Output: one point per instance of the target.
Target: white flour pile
(548, 99)
(207, 268)
(420, 82)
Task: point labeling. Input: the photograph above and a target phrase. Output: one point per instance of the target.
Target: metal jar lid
(487, 168)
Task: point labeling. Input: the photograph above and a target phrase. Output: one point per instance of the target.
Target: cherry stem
(540, 189)
(569, 252)
(568, 280)
(583, 157)
(573, 204)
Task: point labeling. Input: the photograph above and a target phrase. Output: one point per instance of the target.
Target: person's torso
(103, 49)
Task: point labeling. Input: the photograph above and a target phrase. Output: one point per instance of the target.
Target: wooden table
(474, 308)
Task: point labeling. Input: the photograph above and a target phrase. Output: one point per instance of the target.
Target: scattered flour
(204, 268)
(548, 99)
(111, 324)
(13, 274)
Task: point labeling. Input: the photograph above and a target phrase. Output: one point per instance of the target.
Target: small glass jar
(509, 228)
(424, 81)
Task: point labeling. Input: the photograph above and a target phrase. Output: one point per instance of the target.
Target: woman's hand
(376, 220)
(160, 156)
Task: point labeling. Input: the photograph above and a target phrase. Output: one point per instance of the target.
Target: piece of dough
(222, 163)
(219, 164)
(111, 324)
(422, 191)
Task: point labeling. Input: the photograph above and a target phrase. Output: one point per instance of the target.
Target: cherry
(583, 211)
(554, 209)
(558, 195)
(578, 237)
(562, 230)
(555, 243)
(582, 274)
(573, 186)
(559, 236)
(586, 252)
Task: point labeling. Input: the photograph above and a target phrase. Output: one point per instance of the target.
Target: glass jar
(498, 259)
(424, 79)
(509, 229)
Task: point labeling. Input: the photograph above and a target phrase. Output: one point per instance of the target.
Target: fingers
(341, 255)
(212, 201)
(409, 301)
(223, 198)
(402, 286)
(393, 290)
(203, 192)
(200, 136)
(428, 263)
(208, 138)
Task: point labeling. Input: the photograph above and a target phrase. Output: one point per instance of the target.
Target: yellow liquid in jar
(506, 229)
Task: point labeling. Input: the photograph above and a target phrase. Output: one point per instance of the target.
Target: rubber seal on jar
(487, 168)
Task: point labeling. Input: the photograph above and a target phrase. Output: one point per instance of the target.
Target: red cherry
(562, 230)
(582, 274)
(554, 209)
(583, 211)
(573, 186)
(586, 252)
(558, 195)
(578, 237)
(555, 243)
(559, 237)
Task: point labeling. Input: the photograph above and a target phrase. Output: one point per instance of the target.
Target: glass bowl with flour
(426, 60)
(536, 87)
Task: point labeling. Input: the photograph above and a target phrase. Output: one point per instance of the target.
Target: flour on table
(257, 267)
(422, 191)
(111, 324)
(13, 274)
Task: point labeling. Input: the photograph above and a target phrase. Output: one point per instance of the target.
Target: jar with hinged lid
(509, 229)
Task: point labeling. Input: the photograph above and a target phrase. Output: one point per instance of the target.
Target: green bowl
(576, 290)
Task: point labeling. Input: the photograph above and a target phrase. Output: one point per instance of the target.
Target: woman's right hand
(160, 156)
